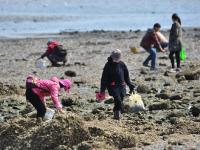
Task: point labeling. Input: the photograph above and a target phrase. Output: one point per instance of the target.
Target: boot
(117, 115)
(39, 120)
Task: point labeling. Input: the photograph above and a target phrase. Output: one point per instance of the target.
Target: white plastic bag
(49, 114)
(41, 63)
(135, 103)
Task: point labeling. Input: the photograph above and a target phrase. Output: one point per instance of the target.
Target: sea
(27, 17)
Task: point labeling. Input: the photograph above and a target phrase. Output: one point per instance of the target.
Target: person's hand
(61, 110)
(39, 58)
(161, 49)
(100, 96)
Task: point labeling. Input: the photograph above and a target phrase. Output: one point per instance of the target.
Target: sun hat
(116, 55)
(67, 84)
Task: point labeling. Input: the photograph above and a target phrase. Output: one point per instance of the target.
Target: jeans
(152, 57)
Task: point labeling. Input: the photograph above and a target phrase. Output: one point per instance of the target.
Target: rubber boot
(39, 120)
(117, 115)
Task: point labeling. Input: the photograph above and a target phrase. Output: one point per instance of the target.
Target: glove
(132, 89)
(100, 96)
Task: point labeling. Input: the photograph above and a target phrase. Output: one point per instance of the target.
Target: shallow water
(47, 16)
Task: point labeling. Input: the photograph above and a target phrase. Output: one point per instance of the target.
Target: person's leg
(153, 58)
(36, 102)
(146, 62)
(178, 59)
(52, 60)
(117, 107)
(171, 57)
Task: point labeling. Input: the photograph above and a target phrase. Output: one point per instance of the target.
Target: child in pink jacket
(43, 88)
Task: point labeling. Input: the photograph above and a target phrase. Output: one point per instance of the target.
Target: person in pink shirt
(42, 88)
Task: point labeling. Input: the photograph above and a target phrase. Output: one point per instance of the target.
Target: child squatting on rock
(114, 78)
(38, 89)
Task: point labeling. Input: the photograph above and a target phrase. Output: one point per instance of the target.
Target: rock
(79, 63)
(177, 113)
(167, 84)
(62, 147)
(162, 64)
(94, 131)
(167, 73)
(163, 57)
(181, 79)
(163, 95)
(68, 102)
(176, 97)
(84, 146)
(70, 73)
(79, 82)
(143, 71)
(143, 89)
(98, 110)
(92, 100)
(189, 75)
(65, 129)
(195, 110)
(159, 106)
(196, 93)
(10, 89)
(123, 140)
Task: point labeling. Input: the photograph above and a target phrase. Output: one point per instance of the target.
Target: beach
(169, 121)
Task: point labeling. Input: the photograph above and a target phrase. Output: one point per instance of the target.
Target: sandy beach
(171, 99)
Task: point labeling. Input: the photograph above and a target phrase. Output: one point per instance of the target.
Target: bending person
(150, 42)
(42, 88)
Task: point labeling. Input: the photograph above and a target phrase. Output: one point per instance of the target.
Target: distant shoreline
(63, 33)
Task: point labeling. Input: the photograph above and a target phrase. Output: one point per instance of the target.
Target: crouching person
(55, 53)
(38, 89)
(114, 78)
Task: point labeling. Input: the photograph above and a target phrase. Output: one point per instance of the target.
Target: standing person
(115, 76)
(175, 41)
(39, 89)
(55, 53)
(150, 42)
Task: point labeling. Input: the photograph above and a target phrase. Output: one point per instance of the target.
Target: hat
(67, 84)
(116, 55)
(49, 41)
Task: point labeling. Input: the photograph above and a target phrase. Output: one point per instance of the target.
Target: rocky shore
(171, 120)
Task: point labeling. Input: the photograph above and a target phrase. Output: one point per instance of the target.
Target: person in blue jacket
(115, 77)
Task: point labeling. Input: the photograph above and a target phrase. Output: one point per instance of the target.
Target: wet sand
(167, 123)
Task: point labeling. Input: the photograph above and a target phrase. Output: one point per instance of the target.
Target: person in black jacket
(115, 76)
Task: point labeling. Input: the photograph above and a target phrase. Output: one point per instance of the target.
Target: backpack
(59, 51)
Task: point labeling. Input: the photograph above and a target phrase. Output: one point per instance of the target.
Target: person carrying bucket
(114, 78)
(175, 42)
(38, 89)
(55, 53)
